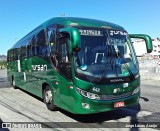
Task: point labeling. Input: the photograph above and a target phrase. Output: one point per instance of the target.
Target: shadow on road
(108, 119)
(105, 116)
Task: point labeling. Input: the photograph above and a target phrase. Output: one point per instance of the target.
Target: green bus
(81, 65)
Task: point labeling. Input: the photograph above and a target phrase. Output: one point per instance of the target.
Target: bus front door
(65, 75)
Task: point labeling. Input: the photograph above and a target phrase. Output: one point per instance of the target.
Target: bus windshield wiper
(110, 54)
(127, 67)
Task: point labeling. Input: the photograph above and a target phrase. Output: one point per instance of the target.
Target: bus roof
(69, 21)
(66, 21)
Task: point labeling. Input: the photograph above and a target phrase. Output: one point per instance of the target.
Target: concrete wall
(149, 68)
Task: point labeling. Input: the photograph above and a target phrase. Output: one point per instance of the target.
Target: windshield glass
(105, 53)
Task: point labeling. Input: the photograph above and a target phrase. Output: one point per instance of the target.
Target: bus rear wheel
(14, 83)
(48, 98)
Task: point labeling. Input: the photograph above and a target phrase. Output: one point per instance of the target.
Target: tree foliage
(3, 64)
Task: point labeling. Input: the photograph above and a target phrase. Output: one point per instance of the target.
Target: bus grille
(114, 97)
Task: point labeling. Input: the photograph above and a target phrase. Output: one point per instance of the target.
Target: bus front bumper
(88, 106)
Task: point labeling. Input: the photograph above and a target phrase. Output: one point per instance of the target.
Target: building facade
(140, 48)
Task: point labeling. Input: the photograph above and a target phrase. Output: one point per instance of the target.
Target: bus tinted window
(11, 55)
(29, 48)
(33, 43)
(51, 38)
(8, 56)
(41, 48)
(23, 50)
(16, 53)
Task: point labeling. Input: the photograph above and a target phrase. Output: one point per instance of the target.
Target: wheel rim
(48, 96)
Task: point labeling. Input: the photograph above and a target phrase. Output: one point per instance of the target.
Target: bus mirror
(147, 40)
(74, 37)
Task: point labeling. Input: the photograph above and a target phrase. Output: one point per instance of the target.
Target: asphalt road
(19, 106)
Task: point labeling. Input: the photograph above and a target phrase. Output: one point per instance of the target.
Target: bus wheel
(48, 99)
(14, 83)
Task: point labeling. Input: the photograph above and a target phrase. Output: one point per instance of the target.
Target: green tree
(3, 64)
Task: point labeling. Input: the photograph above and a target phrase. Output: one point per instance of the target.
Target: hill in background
(3, 57)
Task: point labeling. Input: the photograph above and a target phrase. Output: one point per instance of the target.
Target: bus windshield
(105, 53)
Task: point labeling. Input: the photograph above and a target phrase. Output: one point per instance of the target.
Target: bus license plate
(119, 104)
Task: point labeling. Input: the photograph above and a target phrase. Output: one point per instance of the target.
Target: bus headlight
(135, 91)
(88, 94)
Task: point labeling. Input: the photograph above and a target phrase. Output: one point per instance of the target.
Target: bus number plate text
(119, 104)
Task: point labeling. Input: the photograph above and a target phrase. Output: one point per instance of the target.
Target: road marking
(144, 113)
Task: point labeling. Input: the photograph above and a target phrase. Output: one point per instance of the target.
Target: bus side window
(29, 48)
(51, 38)
(64, 61)
(33, 44)
(23, 50)
(9, 56)
(52, 45)
(41, 47)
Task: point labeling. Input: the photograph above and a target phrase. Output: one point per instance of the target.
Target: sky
(19, 17)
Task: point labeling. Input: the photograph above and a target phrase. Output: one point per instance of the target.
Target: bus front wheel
(48, 98)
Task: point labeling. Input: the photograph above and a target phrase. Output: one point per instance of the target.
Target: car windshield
(105, 53)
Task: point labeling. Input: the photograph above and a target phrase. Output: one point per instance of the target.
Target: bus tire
(48, 99)
(14, 83)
